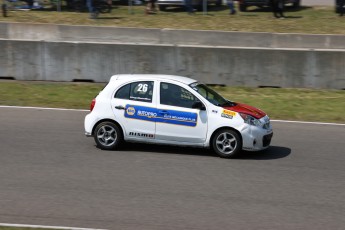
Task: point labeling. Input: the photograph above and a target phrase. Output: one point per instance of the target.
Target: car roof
(184, 80)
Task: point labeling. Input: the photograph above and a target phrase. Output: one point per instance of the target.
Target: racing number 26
(142, 88)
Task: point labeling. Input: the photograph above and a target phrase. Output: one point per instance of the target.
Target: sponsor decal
(214, 111)
(179, 118)
(173, 117)
(148, 114)
(228, 114)
(146, 135)
(130, 111)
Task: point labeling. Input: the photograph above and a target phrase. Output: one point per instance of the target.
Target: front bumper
(257, 138)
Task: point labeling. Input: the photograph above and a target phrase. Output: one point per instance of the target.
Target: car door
(177, 120)
(134, 108)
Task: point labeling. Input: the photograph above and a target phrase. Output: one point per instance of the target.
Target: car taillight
(93, 103)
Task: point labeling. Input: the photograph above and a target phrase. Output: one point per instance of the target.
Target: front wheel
(227, 143)
(107, 135)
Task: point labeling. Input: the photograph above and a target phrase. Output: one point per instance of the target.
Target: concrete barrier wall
(67, 61)
(168, 36)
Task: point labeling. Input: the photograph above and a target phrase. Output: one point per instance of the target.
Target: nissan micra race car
(174, 110)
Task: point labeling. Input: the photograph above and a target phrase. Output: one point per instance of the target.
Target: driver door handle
(119, 107)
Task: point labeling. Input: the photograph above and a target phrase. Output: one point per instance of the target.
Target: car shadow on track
(272, 153)
(155, 148)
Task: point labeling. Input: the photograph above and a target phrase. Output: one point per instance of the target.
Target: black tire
(199, 8)
(296, 4)
(242, 7)
(162, 8)
(108, 136)
(227, 143)
(79, 6)
(103, 7)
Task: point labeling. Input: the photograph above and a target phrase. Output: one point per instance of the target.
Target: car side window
(175, 95)
(123, 92)
(136, 91)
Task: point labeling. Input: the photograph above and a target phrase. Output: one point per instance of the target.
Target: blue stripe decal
(159, 115)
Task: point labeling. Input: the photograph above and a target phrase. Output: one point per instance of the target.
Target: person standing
(231, 6)
(188, 6)
(4, 10)
(278, 8)
(341, 7)
(151, 7)
(92, 10)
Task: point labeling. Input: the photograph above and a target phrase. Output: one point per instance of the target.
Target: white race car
(174, 110)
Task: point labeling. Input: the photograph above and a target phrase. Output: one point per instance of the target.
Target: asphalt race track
(51, 174)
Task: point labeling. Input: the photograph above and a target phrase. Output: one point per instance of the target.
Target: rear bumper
(88, 134)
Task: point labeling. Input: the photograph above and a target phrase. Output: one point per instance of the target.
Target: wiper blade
(228, 103)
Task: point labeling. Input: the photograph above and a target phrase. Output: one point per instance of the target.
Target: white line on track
(41, 108)
(84, 110)
(43, 226)
(309, 122)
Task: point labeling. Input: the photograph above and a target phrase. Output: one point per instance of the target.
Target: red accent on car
(247, 109)
(93, 103)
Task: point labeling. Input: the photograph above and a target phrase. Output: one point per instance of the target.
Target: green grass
(287, 104)
(313, 20)
(62, 95)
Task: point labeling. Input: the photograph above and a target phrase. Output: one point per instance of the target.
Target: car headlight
(250, 120)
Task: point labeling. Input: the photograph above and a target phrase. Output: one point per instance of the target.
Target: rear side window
(136, 91)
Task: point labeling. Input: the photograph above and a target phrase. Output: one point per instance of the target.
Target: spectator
(189, 7)
(91, 8)
(278, 8)
(341, 7)
(151, 7)
(4, 10)
(231, 6)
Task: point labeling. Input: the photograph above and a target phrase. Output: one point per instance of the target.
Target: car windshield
(210, 95)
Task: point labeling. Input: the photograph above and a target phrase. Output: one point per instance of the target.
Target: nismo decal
(173, 117)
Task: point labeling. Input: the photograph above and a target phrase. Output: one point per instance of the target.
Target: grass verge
(313, 20)
(288, 104)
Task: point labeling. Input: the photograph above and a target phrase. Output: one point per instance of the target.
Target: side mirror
(198, 105)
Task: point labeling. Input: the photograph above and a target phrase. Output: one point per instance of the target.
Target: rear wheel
(227, 143)
(107, 135)
(243, 7)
